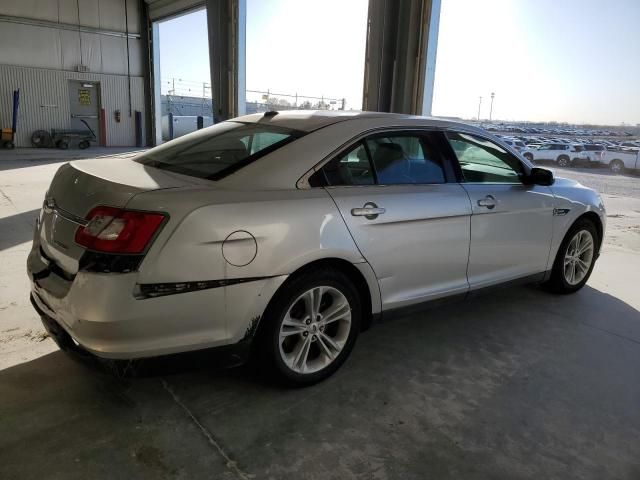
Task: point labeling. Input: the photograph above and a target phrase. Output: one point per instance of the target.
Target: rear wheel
(563, 161)
(616, 166)
(62, 144)
(575, 258)
(310, 327)
(41, 139)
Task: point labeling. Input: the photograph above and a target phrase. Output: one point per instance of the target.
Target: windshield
(218, 151)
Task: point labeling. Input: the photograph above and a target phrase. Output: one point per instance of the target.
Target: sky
(563, 60)
(574, 61)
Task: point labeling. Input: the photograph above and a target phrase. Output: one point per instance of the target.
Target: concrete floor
(516, 384)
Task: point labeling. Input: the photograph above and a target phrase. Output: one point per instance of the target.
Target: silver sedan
(290, 231)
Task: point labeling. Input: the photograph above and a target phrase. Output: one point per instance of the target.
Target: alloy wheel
(315, 329)
(578, 257)
(616, 167)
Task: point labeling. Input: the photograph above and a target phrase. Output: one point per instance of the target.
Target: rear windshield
(218, 151)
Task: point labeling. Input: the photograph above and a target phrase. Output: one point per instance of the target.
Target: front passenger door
(511, 223)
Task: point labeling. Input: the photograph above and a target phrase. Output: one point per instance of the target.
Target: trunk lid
(80, 186)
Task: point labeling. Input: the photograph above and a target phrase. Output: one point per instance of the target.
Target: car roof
(310, 120)
(328, 133)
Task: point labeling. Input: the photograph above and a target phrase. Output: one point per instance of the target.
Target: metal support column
(148, 75)
(226, 22)
(402, 37)
(157, 87)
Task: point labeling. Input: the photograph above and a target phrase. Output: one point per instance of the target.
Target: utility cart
(63, 138)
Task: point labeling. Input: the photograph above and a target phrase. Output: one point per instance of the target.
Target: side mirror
(540, 176)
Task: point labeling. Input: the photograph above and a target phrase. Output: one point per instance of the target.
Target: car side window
(483, 161)
(405, 159)
(349, 168)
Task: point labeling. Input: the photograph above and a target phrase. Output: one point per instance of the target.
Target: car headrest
(233, 149)
(387, 154)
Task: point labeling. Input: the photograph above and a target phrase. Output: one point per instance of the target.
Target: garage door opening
(182, 86)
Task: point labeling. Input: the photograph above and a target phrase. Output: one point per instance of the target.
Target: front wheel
(575, 259)
(310, 327)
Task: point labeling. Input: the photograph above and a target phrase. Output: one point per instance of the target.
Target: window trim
(454, 157)
(346, 151)
(437, 132)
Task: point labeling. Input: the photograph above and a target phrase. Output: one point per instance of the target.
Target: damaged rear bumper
(100, 314)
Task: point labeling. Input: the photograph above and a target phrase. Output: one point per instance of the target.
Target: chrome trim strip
(152, 290)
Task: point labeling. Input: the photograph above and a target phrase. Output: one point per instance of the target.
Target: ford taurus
(291, 231)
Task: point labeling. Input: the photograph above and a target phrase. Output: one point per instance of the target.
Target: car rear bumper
(101, 315)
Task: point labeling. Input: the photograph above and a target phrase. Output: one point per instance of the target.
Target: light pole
(491, 107)
(479, 105)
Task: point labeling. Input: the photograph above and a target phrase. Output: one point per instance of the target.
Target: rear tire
(563, 161)
(298, 351)
(62, 144)
(574, 261)
(41, 139)
(617, 167)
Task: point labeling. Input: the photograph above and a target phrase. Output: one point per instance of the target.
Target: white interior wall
(50, 47)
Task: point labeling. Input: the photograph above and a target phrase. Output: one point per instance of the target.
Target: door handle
(488, 202)
(369, 211)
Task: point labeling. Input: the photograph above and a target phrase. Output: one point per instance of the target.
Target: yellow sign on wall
(84, 96)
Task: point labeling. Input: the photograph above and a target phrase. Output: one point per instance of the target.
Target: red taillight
(114, 230)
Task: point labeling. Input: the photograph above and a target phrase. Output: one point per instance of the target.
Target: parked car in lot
(515, 144)
(619, 160)
(595, 153)
(285, 234)
(562, 154)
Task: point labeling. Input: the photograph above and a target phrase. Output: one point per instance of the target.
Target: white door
(408, 220)
(511, 224)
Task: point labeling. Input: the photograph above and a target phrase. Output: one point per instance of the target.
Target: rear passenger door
(408, 216)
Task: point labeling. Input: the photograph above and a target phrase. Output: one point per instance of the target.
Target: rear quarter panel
(291, 229)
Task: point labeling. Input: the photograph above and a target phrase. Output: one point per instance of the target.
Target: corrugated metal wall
(45, 46)
(44, 101)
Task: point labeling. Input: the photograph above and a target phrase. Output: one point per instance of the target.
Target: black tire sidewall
(558, 282)
(269, 347)
(616, 162)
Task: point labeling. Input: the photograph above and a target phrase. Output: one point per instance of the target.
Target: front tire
(309, 328)
(575, 259)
